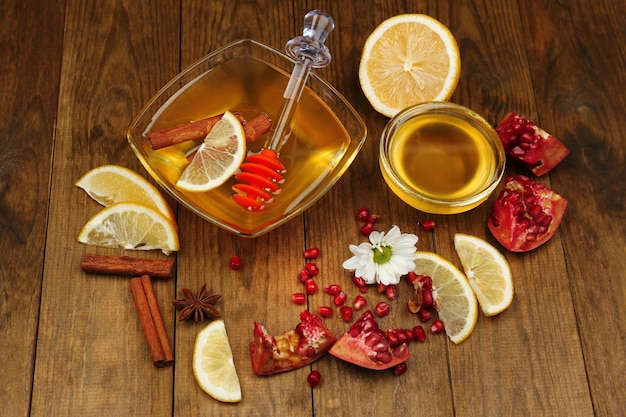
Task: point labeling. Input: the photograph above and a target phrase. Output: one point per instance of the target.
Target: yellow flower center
(382, 254)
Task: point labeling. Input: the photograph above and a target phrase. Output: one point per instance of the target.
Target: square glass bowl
(249, 77)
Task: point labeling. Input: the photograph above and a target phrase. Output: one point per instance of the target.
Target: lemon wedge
(455, 299)
(131, 226)
(213, 364)
(488, 273)
(217, 158)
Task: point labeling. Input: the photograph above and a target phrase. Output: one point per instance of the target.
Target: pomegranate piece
(365, 345)
(309, 341)
(526, 142)
(526, 214)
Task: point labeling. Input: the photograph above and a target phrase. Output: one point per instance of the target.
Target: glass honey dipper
(262, 173)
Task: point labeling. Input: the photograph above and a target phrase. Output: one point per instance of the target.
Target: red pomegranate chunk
(527, 143)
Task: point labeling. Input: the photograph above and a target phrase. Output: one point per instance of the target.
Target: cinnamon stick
(151, 322)
(199, 129)
(126, 265)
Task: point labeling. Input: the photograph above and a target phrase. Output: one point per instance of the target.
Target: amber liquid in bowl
(248, 85)
(440, 162)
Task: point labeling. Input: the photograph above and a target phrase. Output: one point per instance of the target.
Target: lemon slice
(110, 184)
(213, 364)
(488, 273)
(217, 159)
(131, 226)
(455, 299)
(409, 59)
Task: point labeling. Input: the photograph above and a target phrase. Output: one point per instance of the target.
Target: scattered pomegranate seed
(382, 309)
(427, 225)
(314, 378)
(312, 269)
(303, 276)
(346, 313)
(311, 253)
(360, 282)
(235, 263)
(359, 302)
(419, 333)
(363, 214)
(408, 334)
(381, 288)
(391, 291)
(399, 369)
(424, 315)
(413, 306)
(340, 298)
(298, 298)
(373, 218)
(311, 286)
(437, 326)
(367, 229)
(325, 311)
(332, 289)
(427, 298)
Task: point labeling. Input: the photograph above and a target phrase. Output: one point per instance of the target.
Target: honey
(439, 162)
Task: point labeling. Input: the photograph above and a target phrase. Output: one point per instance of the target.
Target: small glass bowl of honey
(441, 157)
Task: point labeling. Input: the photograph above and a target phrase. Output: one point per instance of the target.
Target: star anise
(200, 306)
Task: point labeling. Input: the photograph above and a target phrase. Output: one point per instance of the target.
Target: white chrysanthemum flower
(385, 258)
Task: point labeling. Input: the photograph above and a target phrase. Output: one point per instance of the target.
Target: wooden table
(75, 73)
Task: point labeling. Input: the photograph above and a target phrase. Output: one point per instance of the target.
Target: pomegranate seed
(360, 282)
(408, 334)
(419, 333)
(333, 289)
(325, 311)
(392, 338)
(311, 286)
(303, 276)
(424, 315)
(427, 282)
(380, 288)
(359, 302)
(413, 306)
(427, 298)
(373, 218)
(298, 298)
(346, 313)
(437, 326)
(235, 263)
(391, 291)
(382, 309)
(427, 225)
(401, 336)
(362, 214)
(367, 229)
(340, 298)
(314, 378)
(399, 369)
(412, 277)
(311, 253)
(312, 269)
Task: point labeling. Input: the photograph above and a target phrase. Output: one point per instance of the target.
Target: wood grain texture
(76, 75)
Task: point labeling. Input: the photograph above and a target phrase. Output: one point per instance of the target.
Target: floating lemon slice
(110, 184)
(455, 299)
(488, 273)
(213, 364)
(131, 226)
(409, 59)
(217, 158)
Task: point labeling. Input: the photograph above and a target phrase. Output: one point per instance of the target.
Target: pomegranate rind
(293, 349)
(540, 156)
(353, 348)
(510, 221)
